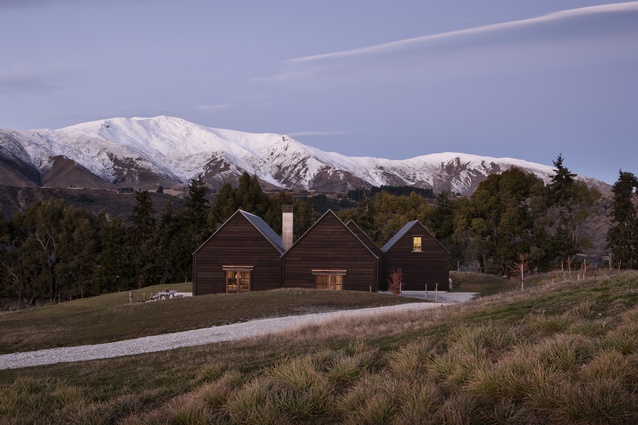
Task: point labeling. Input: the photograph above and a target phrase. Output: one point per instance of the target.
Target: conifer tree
(561, 194)
(195, 211)
(562, 184)
(114, 270)
(141, 240)
(622, 237)
(224, 206)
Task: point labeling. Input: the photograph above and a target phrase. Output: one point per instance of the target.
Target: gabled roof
(368, 241)
(399, 235)
(264, 229)
(259, 224)
(330, 212)
(402, 233)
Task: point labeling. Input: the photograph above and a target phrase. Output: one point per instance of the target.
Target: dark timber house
(422, 258)
(242, 255)
(330, 256)
(363, 237)
(245, 254)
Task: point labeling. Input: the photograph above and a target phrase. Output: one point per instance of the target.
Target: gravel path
(150, 344)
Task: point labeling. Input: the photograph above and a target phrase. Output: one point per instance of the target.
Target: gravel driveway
(150, 344)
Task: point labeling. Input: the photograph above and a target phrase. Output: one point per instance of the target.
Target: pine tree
(622, 237)
(141, 240)
(114, 271)
(224, 206)
(562, 184)
(195, 211)
(143, 216)
(561, 195)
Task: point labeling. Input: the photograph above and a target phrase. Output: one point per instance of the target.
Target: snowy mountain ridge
(146, 152)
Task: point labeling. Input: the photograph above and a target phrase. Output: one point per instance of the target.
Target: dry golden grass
(563, 353)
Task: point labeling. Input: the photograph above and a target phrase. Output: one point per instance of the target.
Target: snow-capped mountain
(167, 151)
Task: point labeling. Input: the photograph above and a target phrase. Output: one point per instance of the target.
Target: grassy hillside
(110, 317)
(565, 352)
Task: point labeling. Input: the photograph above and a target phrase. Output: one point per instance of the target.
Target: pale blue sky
(395, 79)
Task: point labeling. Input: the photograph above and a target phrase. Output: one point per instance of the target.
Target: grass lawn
(110, 317)
(482, 284)
(560, 352)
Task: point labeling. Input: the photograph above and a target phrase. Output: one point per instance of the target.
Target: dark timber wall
(363, 237)
(429, 267)
(237, 242)
(329, 244)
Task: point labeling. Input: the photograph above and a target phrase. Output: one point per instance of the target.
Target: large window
(417, 244)
(330, 280)
(238, 278)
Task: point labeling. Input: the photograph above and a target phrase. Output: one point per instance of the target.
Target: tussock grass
(565, 352)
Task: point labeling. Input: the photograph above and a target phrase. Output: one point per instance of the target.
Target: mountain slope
(167, 151)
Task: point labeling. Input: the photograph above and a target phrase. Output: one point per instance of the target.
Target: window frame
(335, 279)
(414, 244)
(242, 277)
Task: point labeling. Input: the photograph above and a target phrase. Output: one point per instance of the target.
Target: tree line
(54, 252)
(512, 217)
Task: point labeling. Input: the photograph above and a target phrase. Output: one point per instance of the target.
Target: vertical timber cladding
(237, 242)
(330, 245)
(420, 268)
(363, 237)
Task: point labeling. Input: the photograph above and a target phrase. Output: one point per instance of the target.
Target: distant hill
(164, 151)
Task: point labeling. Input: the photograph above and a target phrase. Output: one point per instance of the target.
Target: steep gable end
(363, 237)
(264, 229)
(329, 248)
(396, 238)
(260, 225)
(337, 227)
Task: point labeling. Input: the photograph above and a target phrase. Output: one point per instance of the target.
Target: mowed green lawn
(110, 317)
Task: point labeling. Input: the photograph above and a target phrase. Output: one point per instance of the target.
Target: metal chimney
(286, 226)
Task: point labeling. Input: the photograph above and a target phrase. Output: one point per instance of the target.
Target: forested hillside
(53, 251)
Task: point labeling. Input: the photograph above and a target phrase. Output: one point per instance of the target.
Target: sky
(393, 79)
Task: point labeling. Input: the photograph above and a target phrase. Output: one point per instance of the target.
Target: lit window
(331, 280)
(238, 278)
(416, 244)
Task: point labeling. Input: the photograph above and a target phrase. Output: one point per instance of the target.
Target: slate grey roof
(367, 242)
(264, 229)
(398, 236)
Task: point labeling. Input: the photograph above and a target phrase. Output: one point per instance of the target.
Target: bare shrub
(395, 281)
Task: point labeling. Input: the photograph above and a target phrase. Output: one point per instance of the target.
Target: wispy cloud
(305, 134)
(212, 109)
(25, 4)
(29, 79)
(549, 39)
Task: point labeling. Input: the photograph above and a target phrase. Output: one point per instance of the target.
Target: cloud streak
(28, 79)
(212, 109)
(569, 36)
(305, 134)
